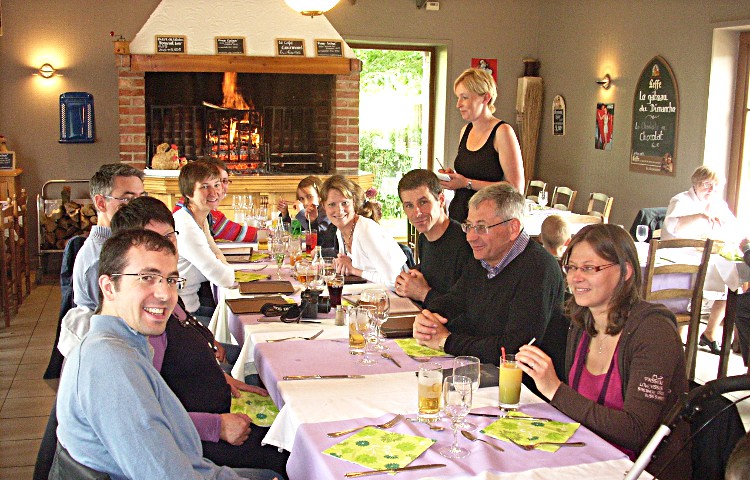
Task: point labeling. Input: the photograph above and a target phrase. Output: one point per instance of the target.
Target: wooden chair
(605, 209)
(22, 264)
(7, 259)
(533, 187)
(412, 240)
(563, 198)
(693, 292)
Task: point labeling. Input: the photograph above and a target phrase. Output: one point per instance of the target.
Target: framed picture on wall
(489, 65)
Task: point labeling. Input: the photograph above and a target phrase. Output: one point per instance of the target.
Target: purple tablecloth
(323, 357)
(306, 460)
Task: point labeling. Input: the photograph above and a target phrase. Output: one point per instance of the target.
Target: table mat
(380, 449)
(268, 286)
(532, 431)
(260, 409)
(411, 347)
(252, 305)
(242, 276)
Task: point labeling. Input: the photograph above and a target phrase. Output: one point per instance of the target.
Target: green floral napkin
(240, 276)
(380, 449)
(260, 409)
(256, 257)
(411, 347)
(531, 431)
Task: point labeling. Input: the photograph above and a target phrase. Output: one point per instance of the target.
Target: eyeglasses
(480, 229)
(152, 279)
(171, 234)
(586, 269)
(126, 198)
(710, 185)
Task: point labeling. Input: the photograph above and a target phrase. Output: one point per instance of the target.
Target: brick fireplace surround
(344, 130)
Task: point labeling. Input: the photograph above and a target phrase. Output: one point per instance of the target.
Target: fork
(382, 426)
(290, 338)
(420, 359)
(532, 446)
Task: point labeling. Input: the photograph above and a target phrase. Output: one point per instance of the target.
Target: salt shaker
(340, 315)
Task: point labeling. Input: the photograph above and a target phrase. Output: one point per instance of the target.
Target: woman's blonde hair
(703, 174)
(353, 192)
(478, 82)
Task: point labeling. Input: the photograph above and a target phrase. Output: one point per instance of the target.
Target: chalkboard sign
(230, 45)
(7, 160)
(171, 44)
(329, 48)
(656, 107)
(290, 47)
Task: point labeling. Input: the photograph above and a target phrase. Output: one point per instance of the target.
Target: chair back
(65, 467)
(412, 240)
(653, 218)
(563, 198)
(533, 187)
(22, 264)
(8, 298)
(409, 255)
(600, 205)
(681, 281)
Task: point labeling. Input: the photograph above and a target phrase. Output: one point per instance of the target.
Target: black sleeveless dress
(482, 164)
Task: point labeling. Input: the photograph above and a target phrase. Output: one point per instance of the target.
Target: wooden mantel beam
(244, 64)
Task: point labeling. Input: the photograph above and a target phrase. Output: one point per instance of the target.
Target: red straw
(502, 350)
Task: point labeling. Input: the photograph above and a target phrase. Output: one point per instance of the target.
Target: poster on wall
(489, 65)
(655, 119)
(605, 122)
(558, 115)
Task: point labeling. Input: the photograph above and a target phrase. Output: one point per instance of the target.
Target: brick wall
(345, 124)
(132, 110)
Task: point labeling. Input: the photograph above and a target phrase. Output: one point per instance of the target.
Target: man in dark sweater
(512, 294)
(444, 252)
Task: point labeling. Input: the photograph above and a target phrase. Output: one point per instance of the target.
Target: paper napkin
(380, 449)
(260, 409)
(531, 431)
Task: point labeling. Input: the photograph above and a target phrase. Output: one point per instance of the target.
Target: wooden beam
(244, 64)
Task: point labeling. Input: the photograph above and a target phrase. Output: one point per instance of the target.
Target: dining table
(536, 214)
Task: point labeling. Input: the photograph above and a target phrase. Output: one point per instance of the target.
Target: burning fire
(233, 98)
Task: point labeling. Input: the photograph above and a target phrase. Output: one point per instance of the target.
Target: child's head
(308, 191)
(555, 234)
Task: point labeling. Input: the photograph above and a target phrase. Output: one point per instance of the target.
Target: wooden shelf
(244, 64)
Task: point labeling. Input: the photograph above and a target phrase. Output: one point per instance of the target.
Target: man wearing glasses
(153, 437)
(512, 295)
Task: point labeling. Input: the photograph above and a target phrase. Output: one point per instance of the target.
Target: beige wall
(575, 40)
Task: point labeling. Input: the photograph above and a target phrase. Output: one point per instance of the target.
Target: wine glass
(278, 252)
(364, 319)
(542, 198)
(378, 297)
(305, 273)
(641, 233)
(468, 367)
(456, 405)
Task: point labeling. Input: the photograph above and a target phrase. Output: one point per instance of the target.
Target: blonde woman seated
(365, 248)
(624, 359)
(200, 259)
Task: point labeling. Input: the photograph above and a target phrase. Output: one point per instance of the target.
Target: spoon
(474, 438)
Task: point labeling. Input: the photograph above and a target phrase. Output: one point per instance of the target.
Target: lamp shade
(311, 7)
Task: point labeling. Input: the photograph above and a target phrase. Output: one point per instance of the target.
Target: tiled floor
(26, 399)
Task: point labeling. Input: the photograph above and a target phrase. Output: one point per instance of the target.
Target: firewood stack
(66, 221)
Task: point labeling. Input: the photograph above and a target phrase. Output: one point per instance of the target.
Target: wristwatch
(468, 184)
(441, 345)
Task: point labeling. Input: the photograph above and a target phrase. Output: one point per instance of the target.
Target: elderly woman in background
(624, 358)
(200, 259)
(488, 152)
(365, 248)
(701, 213)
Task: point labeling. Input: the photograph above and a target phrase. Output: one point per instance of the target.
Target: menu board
(230, 45)
(171, 44)
(655, 120)
(290, 47)
(329, 48)
(7, 160)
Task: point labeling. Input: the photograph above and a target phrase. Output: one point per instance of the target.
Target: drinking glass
(328, 270)
(378, 297)
(278, 252)
(430, 378)
(457, 395)
(641, 233)
(365, 324)
(305, 273)
(311, 241)
(356, 340)
(295, 249)
(509, 390)
(468, 367)
(335, 284)
(543, 198)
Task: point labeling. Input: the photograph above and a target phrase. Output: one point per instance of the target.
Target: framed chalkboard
(329, 48)
(171, 44)
(656, 108)
(230, 45)
(7, 160)
(293, 47)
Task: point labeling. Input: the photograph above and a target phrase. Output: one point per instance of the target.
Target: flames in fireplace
(233, 98)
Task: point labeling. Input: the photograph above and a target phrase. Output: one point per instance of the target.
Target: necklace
(351, 233)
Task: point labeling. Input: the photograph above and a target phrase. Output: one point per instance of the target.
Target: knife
(395, 470)
(318, 377)
(500, 417)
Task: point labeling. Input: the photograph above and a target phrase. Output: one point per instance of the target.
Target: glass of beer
(430, 389)
(509, 383)
(335, 286)
(356, 339)
(305, 272)
(365, 325)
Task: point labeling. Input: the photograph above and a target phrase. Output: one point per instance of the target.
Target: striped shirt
(515, 250)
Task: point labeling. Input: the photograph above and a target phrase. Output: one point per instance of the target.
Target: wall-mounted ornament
(76, 117)
(558, 115)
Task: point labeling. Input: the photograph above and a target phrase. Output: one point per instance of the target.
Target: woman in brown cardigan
(624, 358)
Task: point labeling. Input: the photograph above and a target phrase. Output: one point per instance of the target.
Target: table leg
(726, 341)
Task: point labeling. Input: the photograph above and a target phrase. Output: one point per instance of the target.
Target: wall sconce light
(311, 8)
(46, 71)
(605, 82)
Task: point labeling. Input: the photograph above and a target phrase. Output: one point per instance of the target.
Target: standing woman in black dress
(489, 152)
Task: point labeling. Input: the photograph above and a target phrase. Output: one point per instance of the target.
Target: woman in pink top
(624, 358)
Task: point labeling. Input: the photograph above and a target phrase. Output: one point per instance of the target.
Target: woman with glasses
(624, 361)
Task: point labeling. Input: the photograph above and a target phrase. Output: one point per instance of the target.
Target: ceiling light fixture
(311, 8)
(605, 82)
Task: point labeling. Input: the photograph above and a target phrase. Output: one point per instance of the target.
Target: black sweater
(443, 261)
